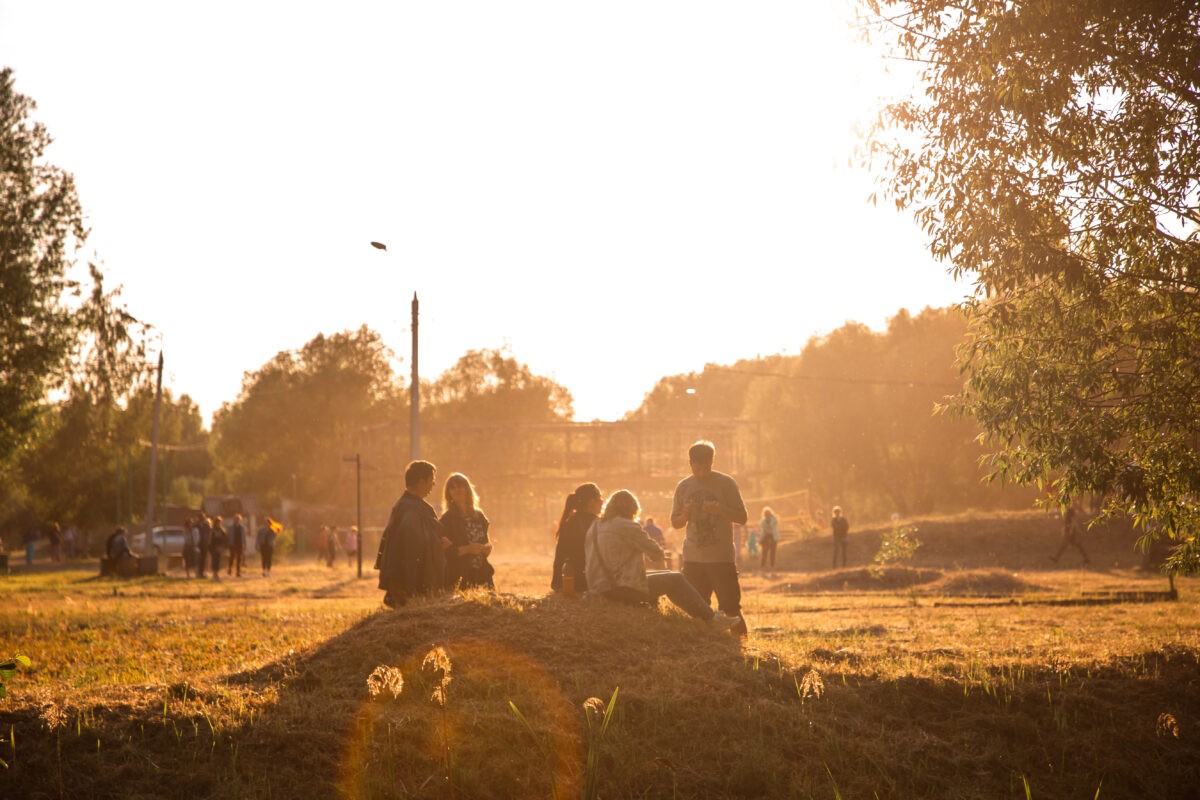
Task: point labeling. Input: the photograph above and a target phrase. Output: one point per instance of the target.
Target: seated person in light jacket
(615, 547)
(411, 558)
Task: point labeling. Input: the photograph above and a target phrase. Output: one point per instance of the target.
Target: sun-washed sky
(613, 191)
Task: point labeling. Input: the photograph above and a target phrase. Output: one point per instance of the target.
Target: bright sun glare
(669, 183)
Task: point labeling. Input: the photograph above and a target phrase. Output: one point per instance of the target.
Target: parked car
(166, 540)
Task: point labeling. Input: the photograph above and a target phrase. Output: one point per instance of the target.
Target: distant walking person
(191, 546)
(203, 544)
(323, 544)
(1072, 532)
(582, 508)
(237, 545)
(264, 542)
(411, 558)
(617, 549)
(331, 546)
(768, 528)
(841, 532)
(217, 545)
(55, 536)
(465, 527)
(31, 537)
(351, 545)
(709, 503)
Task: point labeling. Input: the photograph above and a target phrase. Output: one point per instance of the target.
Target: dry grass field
(977, 671)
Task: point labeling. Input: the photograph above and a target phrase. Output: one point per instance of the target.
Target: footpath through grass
(302, 686)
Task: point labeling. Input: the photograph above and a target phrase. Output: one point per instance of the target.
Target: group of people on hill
(601, 547)
(205, 540)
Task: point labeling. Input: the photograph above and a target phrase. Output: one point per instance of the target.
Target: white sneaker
(722, 621)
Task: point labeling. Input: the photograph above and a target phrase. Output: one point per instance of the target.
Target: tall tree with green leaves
(1053, 155)
(300, 413)
(41, 226)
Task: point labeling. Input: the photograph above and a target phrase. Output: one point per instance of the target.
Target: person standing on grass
(217, 544)
(191, 536)
(203, 543)
(1072, 532)
(709, 503)
(351, 545)
(617, 548)
(768, 528)
(579, 512)
(840, 527)
(55, 536)
(332, 546)
(31, 537)
(322, 543)
(69, 537)
(237, 545)
(465, 528)
(411, 558)
(264, 542)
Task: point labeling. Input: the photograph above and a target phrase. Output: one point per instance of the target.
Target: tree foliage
(487, 385)
(299, 413)
(41, 224)
(1055, 157)
(852, 418)
(93, 457)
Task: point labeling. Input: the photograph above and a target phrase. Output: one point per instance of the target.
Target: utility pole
(149, 544)
(415, 392)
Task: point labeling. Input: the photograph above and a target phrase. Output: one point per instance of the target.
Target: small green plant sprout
(385, 681)
(897, 546)
(599, 717)
(8, 671)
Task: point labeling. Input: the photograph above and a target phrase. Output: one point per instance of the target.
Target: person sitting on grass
(615, 547)
(117, 546)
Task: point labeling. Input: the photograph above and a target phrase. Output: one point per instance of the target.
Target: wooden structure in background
(524, 471)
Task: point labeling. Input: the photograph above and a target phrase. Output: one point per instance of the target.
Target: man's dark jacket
(410, 559)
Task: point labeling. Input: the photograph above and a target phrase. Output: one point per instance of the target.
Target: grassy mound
(506, 696)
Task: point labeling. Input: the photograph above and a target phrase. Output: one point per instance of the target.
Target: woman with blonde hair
(616, 546)
(465, 527)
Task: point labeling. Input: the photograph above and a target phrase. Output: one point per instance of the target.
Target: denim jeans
(721, 578)
(676, 588)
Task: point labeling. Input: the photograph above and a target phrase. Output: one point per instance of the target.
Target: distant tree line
(852, 418)
(855, 418)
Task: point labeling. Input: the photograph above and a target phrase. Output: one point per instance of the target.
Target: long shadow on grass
(490, 697)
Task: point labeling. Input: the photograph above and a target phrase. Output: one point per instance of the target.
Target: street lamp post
(357, 459)
(414, 421)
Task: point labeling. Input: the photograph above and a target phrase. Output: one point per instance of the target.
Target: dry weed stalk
(810, 685)
(384, 679)
(1167, 725)
(437, 664)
